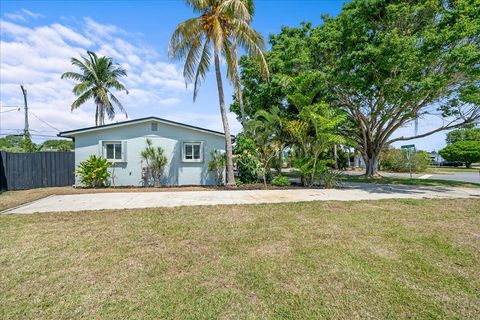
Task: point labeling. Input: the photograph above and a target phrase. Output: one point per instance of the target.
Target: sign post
(409, 147)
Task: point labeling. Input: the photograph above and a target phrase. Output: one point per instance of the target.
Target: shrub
(246, 159)
(464, 151)
(396, 160)
(331, 179)
(216, 165)
(280, 181)
(93, 172)
(156, 161)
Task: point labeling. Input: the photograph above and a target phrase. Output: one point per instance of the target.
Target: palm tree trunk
(97, 115)
(236, 83)
(240, 103)
(226, 127)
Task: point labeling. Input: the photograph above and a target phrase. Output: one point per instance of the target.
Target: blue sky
(39, 37)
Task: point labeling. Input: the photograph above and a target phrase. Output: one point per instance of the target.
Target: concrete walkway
(131, 200)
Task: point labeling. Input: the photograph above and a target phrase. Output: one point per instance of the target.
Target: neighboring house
(186, 147)
(436, 158)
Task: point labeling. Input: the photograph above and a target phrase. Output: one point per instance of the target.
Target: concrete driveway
(131, 200)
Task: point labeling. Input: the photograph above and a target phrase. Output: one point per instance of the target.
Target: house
(437, 159)
(186, 147)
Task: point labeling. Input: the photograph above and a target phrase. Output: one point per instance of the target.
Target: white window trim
(104, 150)
(194, 143)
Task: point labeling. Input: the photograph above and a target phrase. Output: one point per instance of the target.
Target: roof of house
(72, 133)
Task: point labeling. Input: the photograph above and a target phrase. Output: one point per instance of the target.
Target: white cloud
(23, 15)
(37, 56)
(15, 16)
(33, 14)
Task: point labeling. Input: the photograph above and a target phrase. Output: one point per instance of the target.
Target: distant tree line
(15, 143)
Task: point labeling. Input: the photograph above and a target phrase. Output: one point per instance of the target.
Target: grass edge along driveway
(380, 259)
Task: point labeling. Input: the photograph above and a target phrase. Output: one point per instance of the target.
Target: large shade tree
(211, 34)
(387, 64)
(97, 77)
(391, 63)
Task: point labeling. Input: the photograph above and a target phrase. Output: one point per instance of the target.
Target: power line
(48, 124)
(18, 109)
(9, 129)
(1, 107)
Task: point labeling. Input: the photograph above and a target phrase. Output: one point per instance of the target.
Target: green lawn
(370, 259)
(413, 182)
(448, 169)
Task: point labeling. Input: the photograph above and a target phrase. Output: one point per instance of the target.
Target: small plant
(93, 172)
(331, 179)
(156, 161)
(280, 181)
(217, 165)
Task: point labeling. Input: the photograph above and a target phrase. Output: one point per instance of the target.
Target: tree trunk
(226, 127)
(97, 114)
(236, 83)
(335, 156)
(371, 163)
(468, 165)
(242, 107)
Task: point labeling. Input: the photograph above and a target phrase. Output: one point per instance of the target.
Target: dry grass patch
(375, 259)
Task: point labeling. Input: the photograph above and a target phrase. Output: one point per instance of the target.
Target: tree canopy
(386, 64)
(463, 151)
(465, 134)
(97, 77)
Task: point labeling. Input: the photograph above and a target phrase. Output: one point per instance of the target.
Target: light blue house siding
(129, 139)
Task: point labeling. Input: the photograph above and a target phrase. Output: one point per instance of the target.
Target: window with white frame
(192, 152)
(113, 150)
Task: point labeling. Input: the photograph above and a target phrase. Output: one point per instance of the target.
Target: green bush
(331, 179)
(280, 181)
(216, 165)
(463, 151)
(246, 159)
(156, 162)
(396, 160)
(93, 172)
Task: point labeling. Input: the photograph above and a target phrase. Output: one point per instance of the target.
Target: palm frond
(202, 67)
(73, 76)
(119, 104)
(81, 87)
(252, 42)
(238, 8)
(199, 5)
(82, 99)
(182, 37)
(192, 59)
(113, 82)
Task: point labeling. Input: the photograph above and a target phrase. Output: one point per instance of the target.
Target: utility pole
(25, 128)
(27, 142)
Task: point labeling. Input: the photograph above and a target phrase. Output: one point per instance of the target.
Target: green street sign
(408, 146)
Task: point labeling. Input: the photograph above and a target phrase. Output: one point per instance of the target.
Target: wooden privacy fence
(36, 170)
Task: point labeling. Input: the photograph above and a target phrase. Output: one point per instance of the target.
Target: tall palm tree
(97, 77)
(193, 40)
(235, 78)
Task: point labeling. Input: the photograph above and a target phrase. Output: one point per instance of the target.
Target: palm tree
(235, 78)
(193, 40)
(97, 77)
